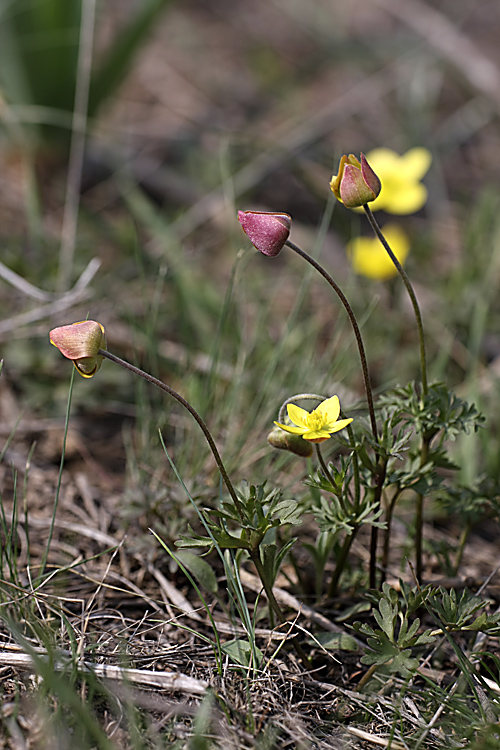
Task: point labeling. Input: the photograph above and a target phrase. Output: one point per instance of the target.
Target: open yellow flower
(317, 425)
(402, 192)
(369, 258)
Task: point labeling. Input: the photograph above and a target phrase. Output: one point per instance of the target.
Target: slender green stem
(45, 556)
(419, 514)
(326, 472)
(387, 535)
(380, 479)
(355, 468)
(355, 327)
(461, 546)
(341, 561)
(273, 603)
(193, 412)
(406, 281)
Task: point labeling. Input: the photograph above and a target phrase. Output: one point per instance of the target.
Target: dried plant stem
(192, 411)
(357, 333)
(77, 147)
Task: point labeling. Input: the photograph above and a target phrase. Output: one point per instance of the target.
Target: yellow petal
(383, 161)
(290, 428)
(407, 200)
(297, 415)
(329, 409)
(340, 425)
(316, 436)
(370, 259)
(415, 163)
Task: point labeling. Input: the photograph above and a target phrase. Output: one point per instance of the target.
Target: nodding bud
(356, 184)
(80, 342)
(267, 232)
(285, 441)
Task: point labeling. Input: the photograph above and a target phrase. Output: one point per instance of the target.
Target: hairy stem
(193, 412)
(406, 281)
(355, 327)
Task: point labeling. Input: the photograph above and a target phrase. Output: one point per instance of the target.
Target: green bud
(285, 441)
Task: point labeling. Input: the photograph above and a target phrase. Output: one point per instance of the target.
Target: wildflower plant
(391, 448)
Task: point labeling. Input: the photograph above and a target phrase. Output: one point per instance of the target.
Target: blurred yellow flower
(402, 192)
(369, 258)
(318, 424)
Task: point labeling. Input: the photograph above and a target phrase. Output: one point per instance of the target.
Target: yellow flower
(318, 424)
(369, 258)
(402, 192)
(81, 342)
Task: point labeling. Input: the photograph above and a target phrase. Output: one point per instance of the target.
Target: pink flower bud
(356, 184)
(81, 342)
(267, 232)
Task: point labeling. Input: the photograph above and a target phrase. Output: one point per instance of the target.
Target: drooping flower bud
(267, 232)
(356, 184)
(81, 342)
(285, 441)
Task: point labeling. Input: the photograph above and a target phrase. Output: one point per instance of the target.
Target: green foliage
(440, 411)
(459, 613)
(39, 48)
(342, 511)
(394, 641)
(241, 652)
(257, 512)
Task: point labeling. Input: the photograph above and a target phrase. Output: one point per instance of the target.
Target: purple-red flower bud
(267, 232)
(81, 342)
(356, 184)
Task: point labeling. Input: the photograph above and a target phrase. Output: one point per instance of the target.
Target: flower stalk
(354, 323)
(406, 281)
(194, 414)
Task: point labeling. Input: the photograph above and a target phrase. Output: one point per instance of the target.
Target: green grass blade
(116, 64)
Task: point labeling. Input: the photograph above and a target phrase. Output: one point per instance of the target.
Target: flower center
(315, 421)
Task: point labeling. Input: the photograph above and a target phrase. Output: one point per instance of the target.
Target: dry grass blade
(290, 601)
(374, 739)
(175, 681)
(75, 295)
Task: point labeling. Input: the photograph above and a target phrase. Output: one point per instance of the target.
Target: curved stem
(298, 397)
(406, 281)
(340, 294)
(192, 411)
